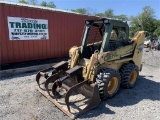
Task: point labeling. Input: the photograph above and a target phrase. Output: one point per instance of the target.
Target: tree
(80, 10)
(33, 2)
(134, 25)
(109, 13)
(51, 5)
(23, 1)
(122, 17)
(157, 31)
(144, 21)
(147, 19)
(99, 14)
(43, 3)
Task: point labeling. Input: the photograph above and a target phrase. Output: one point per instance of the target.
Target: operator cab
(103, 35)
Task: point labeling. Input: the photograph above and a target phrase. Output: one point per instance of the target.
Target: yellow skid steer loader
(106, 59)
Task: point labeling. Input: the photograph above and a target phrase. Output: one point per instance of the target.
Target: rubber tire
(126, 72)
(103, 79)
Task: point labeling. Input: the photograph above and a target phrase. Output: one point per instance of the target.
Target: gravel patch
(19, 100)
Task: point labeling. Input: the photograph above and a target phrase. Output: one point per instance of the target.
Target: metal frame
(109, 24)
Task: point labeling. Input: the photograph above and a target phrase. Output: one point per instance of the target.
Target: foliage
(80, 10)
(157, 31)
(43, 3)
(23, 1)
(145, 21)
(50, 4)
(122, 17)
(134, 25)
(99, 14)
(109, 13)
(33, 2)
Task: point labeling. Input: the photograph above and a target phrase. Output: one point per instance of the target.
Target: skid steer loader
(106, 59)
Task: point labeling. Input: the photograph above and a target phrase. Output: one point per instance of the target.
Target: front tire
(108, 82)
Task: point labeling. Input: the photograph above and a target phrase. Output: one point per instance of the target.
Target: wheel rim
(112, 85)
(133, 77)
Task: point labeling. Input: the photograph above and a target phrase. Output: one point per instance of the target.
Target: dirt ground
(19, 100)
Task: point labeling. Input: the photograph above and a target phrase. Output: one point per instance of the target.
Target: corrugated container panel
(67, 37)
(15, 12)
(39, 44)
(52, 30)
(15, 44)
(65, 30)
(60, 33)
(48, 42)
(7, 52)
(1, 34)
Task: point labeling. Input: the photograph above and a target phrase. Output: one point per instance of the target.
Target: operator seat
(113, 35)
(112, 41)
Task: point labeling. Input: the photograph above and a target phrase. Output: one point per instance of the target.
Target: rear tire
(108, 82)
(129, 75)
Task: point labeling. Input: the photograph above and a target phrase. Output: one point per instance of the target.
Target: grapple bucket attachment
(72, 95)
(74, 104)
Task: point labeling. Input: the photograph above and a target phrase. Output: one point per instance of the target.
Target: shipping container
(30, 32)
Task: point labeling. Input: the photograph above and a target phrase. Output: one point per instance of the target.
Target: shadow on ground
(145, 89)
(14, 76)
(101, 109)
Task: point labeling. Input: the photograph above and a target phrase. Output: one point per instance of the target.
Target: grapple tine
(54, 87)
(73, 88)
(42, 73)
(50, 79)
(37, 78)
(57, 67)
(94, 102)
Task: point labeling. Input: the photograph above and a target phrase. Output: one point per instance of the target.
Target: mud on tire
(108, 82)
(129, 75)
